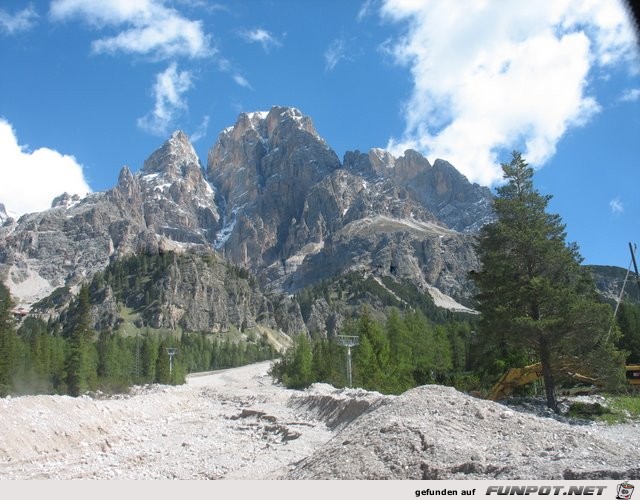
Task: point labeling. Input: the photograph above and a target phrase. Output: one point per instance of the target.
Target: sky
(88, 86)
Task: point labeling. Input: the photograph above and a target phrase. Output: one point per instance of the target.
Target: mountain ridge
(274, 198)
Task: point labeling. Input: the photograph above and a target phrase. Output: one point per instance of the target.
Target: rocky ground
(237, 424)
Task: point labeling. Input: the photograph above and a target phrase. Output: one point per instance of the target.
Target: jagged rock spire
(175, 154)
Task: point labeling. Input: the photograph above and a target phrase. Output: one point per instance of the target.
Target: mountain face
(609, 281)
(294, 214)
(440, 188)
(264, 168)
(168, 205)
(275, 200)
(189, 291)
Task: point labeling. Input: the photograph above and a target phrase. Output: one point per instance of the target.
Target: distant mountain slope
(190, 292)
(609, 281)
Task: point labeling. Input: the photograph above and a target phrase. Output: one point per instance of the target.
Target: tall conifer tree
(78, 362)
(532, 291)
(9, 343)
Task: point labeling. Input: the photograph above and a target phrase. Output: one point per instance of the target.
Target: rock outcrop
(263, 168)
(440, 188)
(4, 217)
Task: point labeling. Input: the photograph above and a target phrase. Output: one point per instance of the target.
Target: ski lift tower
(171, 351)
(348, 341)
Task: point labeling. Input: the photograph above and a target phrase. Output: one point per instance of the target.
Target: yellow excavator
(516, 377)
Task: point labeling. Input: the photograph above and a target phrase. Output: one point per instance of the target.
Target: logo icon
(624, 492)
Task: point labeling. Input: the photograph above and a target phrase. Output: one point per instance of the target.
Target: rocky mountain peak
(266, 144)
(275, 200)
(173, 157)
(439, 188)
(3, 214)
(381, 159)
(408, 167)
(287, 119)
(125, 176)
(269, 128)
(381, 163)
(65, 200)
(263, 168)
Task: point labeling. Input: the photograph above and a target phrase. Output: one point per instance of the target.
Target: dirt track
(236, 424)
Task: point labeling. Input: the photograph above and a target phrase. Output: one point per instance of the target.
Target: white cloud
(261, 36)
(20, 21)
(168, 92)
(365, 9)
(148, 27)
(242, 81)
(492, 76)
(616, 206)
(31, 179)
(630, 95)
(201, 131)
(336, 52)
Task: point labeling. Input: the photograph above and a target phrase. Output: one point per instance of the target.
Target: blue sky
(91, 85)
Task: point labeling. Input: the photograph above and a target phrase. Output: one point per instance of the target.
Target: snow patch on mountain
(228, 225)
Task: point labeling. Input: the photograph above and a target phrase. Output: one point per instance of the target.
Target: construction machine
(516, 377)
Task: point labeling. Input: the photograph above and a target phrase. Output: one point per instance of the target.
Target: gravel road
(237, 424)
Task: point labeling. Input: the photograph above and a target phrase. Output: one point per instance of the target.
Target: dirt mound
(435, 432)
(336, 407)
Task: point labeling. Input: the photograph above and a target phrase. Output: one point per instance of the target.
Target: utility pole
(137, 357)
(348, 341)
(635, 265)
(171, 351)
(624, 284)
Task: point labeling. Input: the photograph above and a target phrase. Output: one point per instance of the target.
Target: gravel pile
(435, 432)
(237, 424)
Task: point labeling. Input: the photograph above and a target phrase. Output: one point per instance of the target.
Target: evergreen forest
(41, 357)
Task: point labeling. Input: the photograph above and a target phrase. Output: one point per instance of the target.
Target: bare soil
(238, 424)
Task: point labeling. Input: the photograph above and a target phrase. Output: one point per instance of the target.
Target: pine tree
(300, 368)
(149, 357)
(9, 343)
(629, 322)
(372, 361)
(162, 364)
(400, 347)
(532, 292)
(328, 362)
(80, 368)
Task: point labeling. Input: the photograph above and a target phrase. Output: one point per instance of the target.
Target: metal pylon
(348, 341)
(171, 351)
